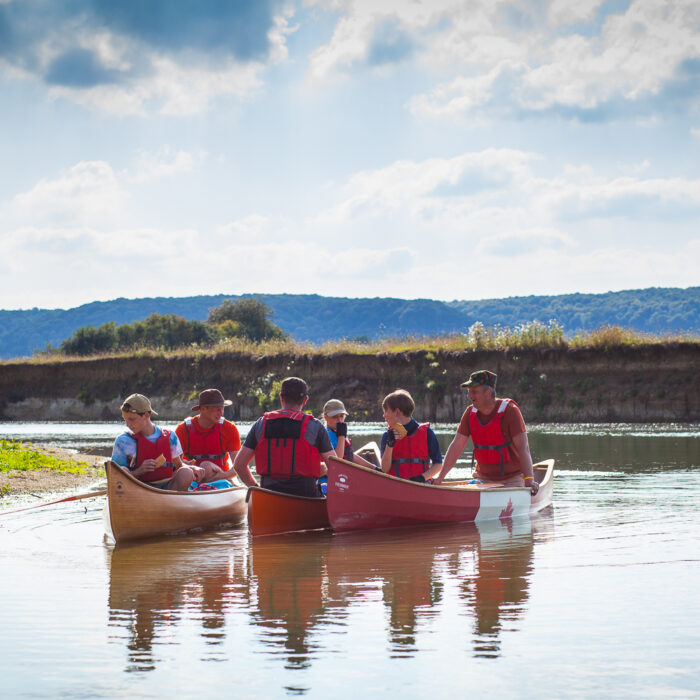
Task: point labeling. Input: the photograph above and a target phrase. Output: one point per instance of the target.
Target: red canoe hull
(363, 499)
(274, 513)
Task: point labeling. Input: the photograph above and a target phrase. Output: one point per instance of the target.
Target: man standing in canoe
(151, 454)
(497, 429)
(208, 439)
(288, 445)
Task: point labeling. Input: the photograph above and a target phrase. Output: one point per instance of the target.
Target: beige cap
(334, 407)
(138, 403)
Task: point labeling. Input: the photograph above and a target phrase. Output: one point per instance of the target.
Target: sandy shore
(41, 480)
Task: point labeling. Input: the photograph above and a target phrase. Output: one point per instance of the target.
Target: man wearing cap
(208, 439)
(150, 453)
(288, 446)
(497, 429)
(334, 415)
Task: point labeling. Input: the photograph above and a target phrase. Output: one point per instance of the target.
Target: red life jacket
(490, 445)
(206, 446)
(410, 456)
(282, 450)
(147, 449)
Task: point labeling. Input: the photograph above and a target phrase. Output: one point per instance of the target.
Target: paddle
(52, 503)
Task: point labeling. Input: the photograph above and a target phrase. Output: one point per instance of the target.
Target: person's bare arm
(454, 451)
(325, 456)
(363, 462)
(522, 447)
(240, 465)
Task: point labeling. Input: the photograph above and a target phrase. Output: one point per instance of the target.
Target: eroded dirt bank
(636, 384)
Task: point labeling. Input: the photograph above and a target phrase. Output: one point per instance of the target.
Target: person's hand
(532, 484)
(391, 439)
(341, 429)
(148, 465)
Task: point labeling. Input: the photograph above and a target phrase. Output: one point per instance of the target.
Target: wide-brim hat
(211, 397)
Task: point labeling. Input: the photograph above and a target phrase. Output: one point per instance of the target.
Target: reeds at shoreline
(531, 335)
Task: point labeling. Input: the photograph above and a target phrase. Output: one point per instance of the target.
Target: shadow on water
(296, 590)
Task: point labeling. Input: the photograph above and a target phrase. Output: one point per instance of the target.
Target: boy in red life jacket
(208, 439)
(139, 448)
(497, 430)
(408, 453)
(288, 446)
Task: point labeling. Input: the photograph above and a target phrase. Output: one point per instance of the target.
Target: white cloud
(417, 187)
(164, 163)
(567, 12)
(533, 63)
(172, 88)
(87, 190)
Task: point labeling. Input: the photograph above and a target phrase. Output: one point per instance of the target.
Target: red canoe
(272, 513)
(363, 499)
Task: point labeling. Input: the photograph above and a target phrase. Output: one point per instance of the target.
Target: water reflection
(298, 591)
(154, 585)
(288, 576)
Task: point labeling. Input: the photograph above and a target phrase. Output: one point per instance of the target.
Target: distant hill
(315, 318)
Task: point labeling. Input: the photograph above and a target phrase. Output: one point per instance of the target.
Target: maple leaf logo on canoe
(507, 512)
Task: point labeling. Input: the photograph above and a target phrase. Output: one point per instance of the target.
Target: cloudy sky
(448, 149)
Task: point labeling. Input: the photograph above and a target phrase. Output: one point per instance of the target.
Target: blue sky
(442, 149)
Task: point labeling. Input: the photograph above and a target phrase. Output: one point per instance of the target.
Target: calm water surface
(597, 596)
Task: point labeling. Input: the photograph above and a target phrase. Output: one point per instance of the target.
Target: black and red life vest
(282, 450)
(410, 456)
(206, 446)
(148, 449)
(490, 445)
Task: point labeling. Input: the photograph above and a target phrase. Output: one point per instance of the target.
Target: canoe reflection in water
(154, 585)
(303, 592)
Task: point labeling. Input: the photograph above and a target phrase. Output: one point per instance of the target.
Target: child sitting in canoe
(152, 454)
(410, 450)
(334, 415)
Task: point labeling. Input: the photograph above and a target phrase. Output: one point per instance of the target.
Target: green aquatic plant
(18, 456)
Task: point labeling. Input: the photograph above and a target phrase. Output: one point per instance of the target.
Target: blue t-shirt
(124, 449)
(433, 445)
(348, 452)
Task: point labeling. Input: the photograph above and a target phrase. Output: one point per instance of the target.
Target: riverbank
(657, 382)
(89, 469)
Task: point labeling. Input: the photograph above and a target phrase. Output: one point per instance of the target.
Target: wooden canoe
(363, 499)
(136, 511)
(273, 513)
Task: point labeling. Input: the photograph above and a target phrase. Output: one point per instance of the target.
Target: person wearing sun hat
(334, 415)
(150, 453)
(497, 430)
(208, 439)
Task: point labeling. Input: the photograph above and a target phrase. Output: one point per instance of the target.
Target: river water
(598, 596)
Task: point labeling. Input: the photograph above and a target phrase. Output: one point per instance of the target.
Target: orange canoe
(273, 513)
(137, 511)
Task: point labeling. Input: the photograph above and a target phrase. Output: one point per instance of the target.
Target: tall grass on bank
(17, 456)
(531, 335)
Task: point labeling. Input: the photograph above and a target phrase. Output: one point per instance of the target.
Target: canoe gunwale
(164, 492)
